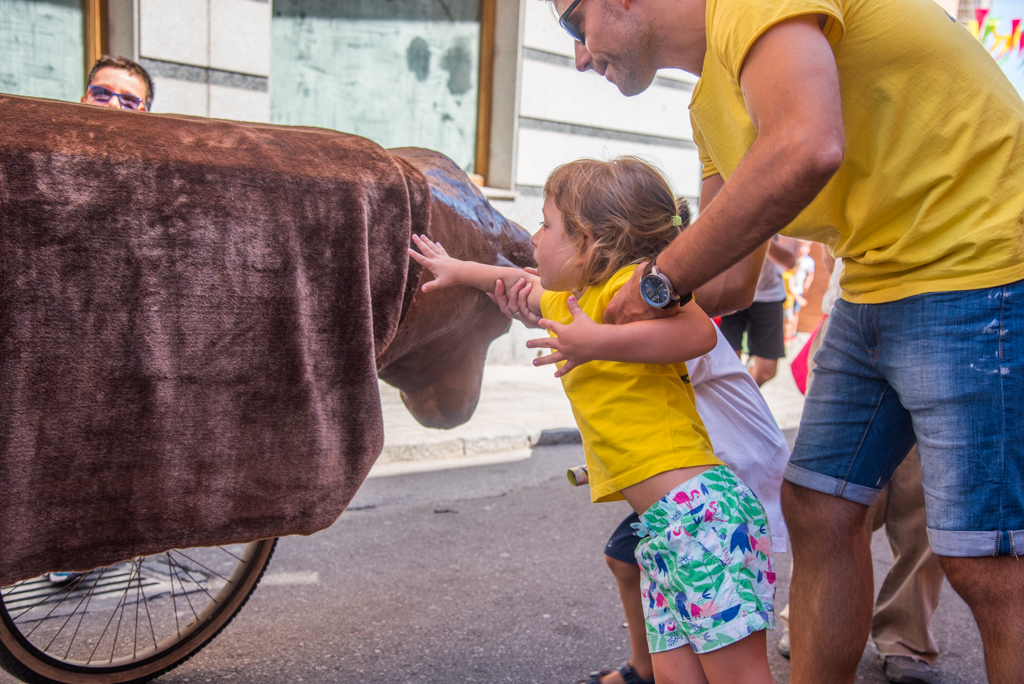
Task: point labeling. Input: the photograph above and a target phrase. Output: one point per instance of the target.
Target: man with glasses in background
(119, 83)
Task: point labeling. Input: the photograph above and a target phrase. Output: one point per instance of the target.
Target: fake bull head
(436, 357)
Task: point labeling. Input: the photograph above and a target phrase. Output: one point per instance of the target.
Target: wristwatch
(656, 289)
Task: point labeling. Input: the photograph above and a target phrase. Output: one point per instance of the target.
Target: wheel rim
(123, 617)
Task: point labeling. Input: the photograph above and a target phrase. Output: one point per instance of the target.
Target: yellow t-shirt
(637, 420)
(930, 194)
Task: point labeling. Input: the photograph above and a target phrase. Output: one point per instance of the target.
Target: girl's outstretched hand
(571, 341)
(433, 258)
(516, 303)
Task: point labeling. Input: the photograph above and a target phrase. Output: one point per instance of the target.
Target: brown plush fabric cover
(189, 312)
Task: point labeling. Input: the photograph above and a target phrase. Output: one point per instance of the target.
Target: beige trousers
(910, 592)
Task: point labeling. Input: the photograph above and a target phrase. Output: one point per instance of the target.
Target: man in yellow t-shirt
(885, 131)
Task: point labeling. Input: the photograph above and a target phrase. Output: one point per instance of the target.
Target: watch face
(654, 290)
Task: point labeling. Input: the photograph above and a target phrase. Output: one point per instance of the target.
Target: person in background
(799, 284)
(788, 317)
(120, 83)
(763, 321)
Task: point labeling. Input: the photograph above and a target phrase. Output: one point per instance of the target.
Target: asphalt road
(478, 575)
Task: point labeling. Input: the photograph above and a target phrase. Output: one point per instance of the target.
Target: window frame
(95, 20)
(488, 25)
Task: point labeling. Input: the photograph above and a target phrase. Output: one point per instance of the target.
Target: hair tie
(677, 220)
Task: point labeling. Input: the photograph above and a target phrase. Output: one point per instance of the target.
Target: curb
(462, 447)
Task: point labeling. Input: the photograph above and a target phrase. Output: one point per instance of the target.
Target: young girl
(706, 548)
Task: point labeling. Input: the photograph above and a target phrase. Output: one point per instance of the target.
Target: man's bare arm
(734, 289)
(791, 87)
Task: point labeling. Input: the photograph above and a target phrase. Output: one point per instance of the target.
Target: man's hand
(627, 305)
(572, 341)
(520, 295)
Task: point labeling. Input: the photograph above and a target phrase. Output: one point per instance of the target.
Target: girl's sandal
(627, 673)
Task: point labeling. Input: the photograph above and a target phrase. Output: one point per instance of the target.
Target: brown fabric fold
(189, 313)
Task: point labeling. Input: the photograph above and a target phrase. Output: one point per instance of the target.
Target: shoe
(906, 670)
(62, 577)
(627, 673)
(784, 644)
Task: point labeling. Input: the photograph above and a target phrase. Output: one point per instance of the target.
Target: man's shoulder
(735, 25)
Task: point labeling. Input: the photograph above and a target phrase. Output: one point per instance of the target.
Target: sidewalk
(520, 407)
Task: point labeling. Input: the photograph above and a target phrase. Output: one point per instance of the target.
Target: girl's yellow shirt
(636, 419)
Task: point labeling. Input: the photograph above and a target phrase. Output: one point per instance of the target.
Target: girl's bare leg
(745, 662)
(679, 666)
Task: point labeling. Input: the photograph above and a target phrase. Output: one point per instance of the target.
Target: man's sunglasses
(102, 95)
(571, 28)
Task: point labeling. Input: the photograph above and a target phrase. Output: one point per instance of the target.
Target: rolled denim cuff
(831, 485)
(968, 544)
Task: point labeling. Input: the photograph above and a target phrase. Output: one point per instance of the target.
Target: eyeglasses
(102, 96)
(571, 28)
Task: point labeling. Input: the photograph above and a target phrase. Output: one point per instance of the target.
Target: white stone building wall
(207, 57)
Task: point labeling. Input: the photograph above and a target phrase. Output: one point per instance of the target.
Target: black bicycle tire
(23, 660)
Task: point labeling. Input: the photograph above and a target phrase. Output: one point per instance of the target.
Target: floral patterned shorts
(706, 564)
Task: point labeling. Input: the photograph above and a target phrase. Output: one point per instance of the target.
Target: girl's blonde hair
(624, 205)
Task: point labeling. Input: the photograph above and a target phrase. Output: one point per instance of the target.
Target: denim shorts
(945, 370)
(706, 575)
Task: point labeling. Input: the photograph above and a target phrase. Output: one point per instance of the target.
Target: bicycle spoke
(237, 558)
(201, 587)
(152, 631)
(47, 648)
(185, 594)
(120, 603)
(214, 572)
(36, 605)
(105, 628)
(120, 618)
(135, 637)
(174, 601)
(84, 611)
(13, 589)
(46, 617)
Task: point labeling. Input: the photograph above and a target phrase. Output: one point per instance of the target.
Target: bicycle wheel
(129, 622)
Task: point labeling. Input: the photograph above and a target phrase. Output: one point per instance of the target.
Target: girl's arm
(449, 271)
(673, 339)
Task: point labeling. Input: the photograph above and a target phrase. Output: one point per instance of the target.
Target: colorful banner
(999, 30)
